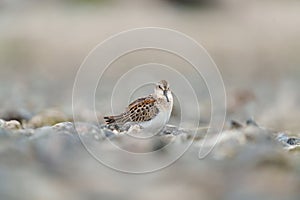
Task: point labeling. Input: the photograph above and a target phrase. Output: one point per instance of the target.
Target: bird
(151, 112)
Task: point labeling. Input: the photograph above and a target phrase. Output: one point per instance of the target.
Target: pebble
(47, 118)
(290, 143)
(10, 125)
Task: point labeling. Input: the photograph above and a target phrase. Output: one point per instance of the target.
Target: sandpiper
(150, 112)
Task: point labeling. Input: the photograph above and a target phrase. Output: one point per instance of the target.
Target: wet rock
(293, 141)
(289, 142)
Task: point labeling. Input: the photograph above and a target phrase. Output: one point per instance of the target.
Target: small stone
(283, 138)
(134, 129)
(47, 118)
(171, 130)
(293, 141)
(64, 126)
(108, 133)
(12, 125)
(288, 141)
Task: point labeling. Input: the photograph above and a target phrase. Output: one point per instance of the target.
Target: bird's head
(162, 90)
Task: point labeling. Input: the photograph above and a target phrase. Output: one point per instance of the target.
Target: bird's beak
(166, 94)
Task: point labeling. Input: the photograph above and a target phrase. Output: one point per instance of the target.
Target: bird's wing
(142, 109)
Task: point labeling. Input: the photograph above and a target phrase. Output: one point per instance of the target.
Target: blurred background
(255, 44)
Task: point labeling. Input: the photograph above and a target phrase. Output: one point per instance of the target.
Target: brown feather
(142, 109)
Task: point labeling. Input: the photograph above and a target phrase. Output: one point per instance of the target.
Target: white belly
(157, 123)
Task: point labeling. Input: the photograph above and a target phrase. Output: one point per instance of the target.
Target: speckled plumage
(142, 109)
(146, 109)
